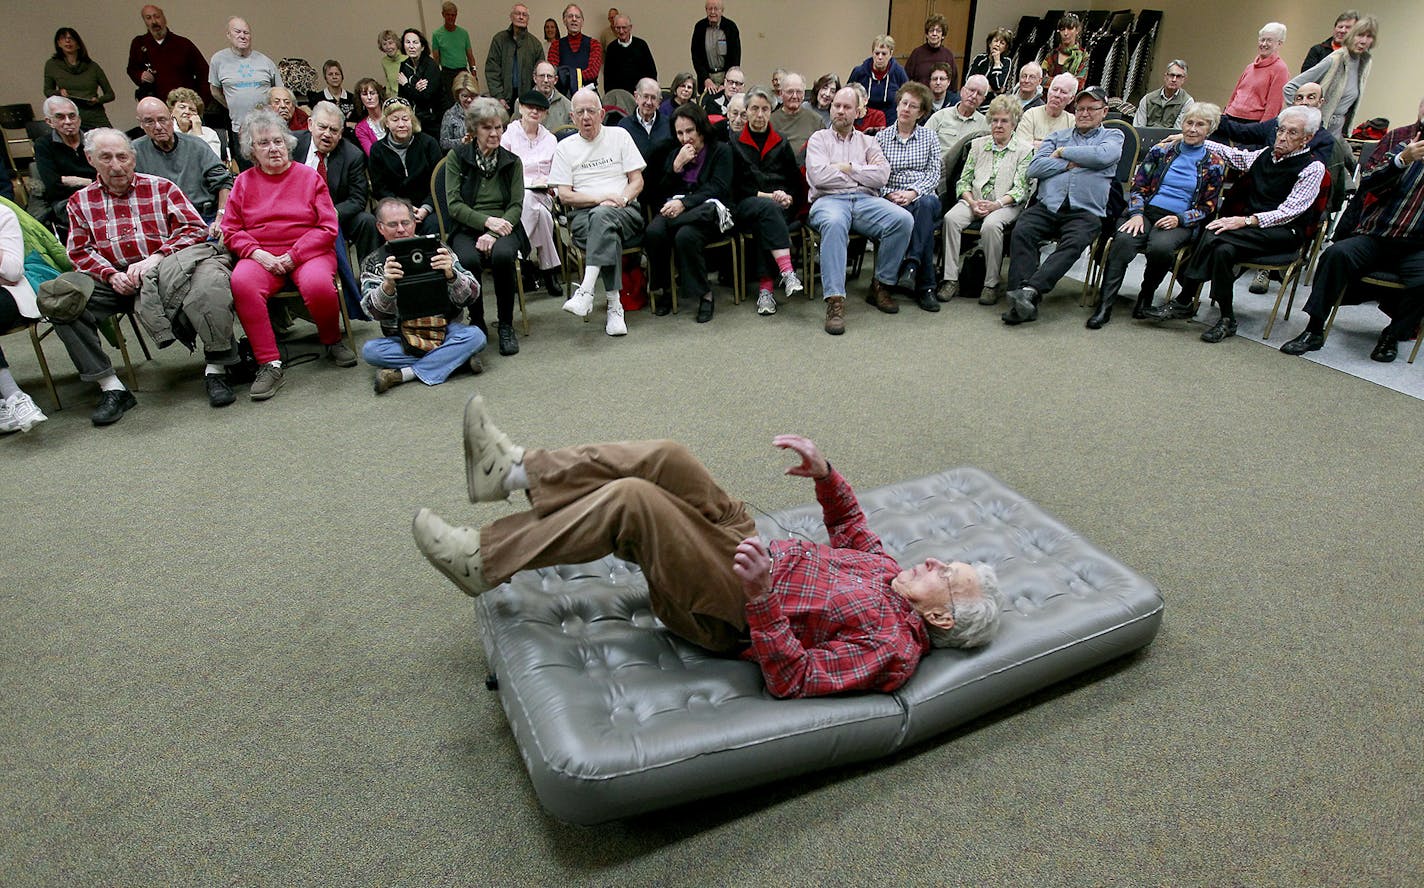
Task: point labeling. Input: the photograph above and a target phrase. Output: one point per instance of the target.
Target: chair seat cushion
(615, 716)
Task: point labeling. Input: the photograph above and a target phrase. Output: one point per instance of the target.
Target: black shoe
(219, 392)
(663, 307)
(1305, 342)
(1022, 306)
(112, 407)
(1170, 311)
(552, 285)
(1386, 349)
(1140, 307)
(1220, 330)
(705, 308)
(1102, 315)
(906, 281)
(508, 342)
(926, 299)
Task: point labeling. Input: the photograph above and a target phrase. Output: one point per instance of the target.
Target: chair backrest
(1131, 145)
(438, 197)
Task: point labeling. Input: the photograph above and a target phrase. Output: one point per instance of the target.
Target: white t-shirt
(597, 166)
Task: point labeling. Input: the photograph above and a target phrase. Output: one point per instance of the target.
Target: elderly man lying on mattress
(818, 619)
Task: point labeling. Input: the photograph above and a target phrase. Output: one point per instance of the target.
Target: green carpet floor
(224, 661)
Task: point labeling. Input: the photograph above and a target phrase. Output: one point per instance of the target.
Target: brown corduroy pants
(649, 502)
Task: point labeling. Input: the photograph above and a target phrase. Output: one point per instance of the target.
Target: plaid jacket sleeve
(845, 522)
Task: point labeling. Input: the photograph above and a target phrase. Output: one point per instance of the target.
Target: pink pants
(315, 279)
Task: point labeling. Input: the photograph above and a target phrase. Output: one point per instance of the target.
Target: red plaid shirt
(831, 622)
(108, 234)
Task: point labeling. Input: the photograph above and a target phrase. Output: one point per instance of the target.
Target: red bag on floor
(634, 295)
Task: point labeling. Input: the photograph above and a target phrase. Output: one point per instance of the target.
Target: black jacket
(713, 180)
(411, 181)
(346, 177)
(769, 169)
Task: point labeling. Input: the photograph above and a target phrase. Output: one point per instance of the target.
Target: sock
(8, 388)
(110, 383)
(277, 364)
(765, 283)
(783, 261)
(214, 370)
(517, 478)
(590, 274)
(407, 374)
(1031, 292)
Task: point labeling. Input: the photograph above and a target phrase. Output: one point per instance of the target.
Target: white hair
(1309, 118)
(54, 103)
(1065, 79)
(92, 137)
(1273, 29)
(977, 81)
(975, 620)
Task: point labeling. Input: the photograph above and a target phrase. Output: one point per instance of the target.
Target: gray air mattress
(616, 716)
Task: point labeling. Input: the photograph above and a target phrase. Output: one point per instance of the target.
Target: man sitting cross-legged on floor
(428, 349)
(818, 619)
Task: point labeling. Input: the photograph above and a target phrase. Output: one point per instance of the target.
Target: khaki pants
(649, 502)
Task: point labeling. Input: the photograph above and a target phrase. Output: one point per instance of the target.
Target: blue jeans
(433, 367)
(926, 212)
(835, 216)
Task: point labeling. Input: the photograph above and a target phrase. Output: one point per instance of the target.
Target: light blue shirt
(1095, 155)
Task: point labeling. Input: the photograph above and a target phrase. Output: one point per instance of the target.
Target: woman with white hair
(1258, 94)
(1341, 76)
(281, 224)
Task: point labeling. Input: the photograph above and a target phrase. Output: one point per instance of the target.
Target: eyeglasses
(150, 122)
(730, 82)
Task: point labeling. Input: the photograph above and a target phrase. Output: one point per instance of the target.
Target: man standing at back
(716, 46)
(627, 59)
(161, 61)
(513, 53)
(577, 57)
(240, 75)
(450, 47)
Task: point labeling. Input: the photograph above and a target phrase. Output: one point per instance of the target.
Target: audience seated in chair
(845, 170)
(651, 130)
(1270, 201)
(184, 160)
(1167, 106)
(343, 166)
(796, 121)
(187, 108)
(1053, 115)
(534, 145)
(769, 194)
(282, 225)
(913, 154)
(1075, 170)
(599, 174)
(881, 76)
(401, 162)
(18, 411)
(121, 264)
(1388, 235)
(1174, 192)
(484, 188)
(60, 160)
(452, 125)
(427, 349)
(560, 110)
(958, 123)
(991, 190)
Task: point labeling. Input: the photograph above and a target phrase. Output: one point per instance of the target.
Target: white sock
(111, 383)
(277, 364)
(8, 388)
(407, 374)
(215, 370)
(517, 479)
(590, 274)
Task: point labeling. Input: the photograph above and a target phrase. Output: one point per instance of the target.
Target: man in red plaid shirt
(121, 227)
(819, 619)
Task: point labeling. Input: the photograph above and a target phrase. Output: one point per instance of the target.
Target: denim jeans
(835, 216)
(433, 367)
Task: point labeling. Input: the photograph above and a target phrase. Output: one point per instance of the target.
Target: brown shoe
(835, 315)
(879, 296)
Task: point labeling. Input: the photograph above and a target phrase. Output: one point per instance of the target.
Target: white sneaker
(581, 303)
(790, 283)
(615, 326)
(766, 303)
(19, 413)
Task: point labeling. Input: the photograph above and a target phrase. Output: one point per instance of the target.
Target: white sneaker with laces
(7, 418)
(581, 303)
(766, 303)
(615, 325)
(790, 284)
(23, 411)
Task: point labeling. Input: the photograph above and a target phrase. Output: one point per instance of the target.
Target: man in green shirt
(450, 46)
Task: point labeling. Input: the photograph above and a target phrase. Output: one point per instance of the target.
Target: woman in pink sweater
(1258, 92)
(280, 222)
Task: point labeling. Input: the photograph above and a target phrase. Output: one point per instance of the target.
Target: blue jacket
(882, 92)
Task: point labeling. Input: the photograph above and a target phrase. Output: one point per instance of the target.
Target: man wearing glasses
(184, 160)
(560, 111)
(1074, 168)
(734, 83)
(627, 59)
